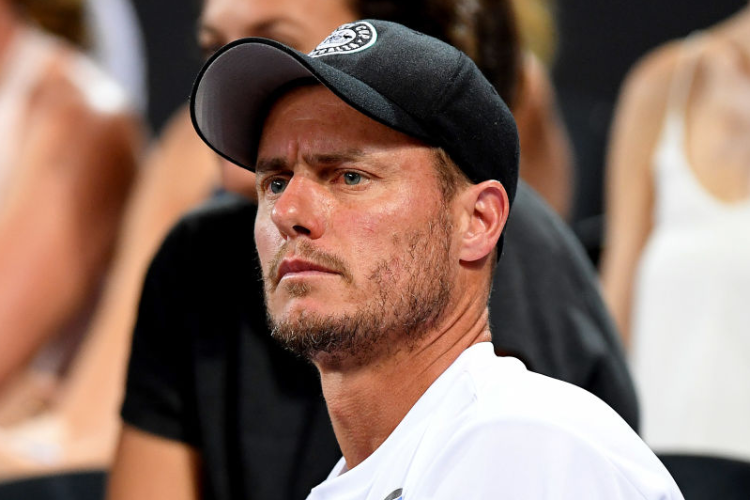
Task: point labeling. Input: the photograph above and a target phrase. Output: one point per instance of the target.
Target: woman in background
(68, 152)
(676, 269)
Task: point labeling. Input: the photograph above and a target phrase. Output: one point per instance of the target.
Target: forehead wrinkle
(322, 159)
(328, 159)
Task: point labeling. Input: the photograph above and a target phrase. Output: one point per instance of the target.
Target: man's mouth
(305, 260)
(295, 267)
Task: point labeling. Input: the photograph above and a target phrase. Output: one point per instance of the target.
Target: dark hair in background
(486, 30)
(64, 18)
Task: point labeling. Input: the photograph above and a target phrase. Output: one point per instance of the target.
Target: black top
(204, 370)
(546, 308)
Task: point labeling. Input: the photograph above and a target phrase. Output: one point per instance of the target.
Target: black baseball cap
(408, 81)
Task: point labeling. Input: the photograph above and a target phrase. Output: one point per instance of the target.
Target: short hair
(449, 175)
(451, 179)
(485, 30)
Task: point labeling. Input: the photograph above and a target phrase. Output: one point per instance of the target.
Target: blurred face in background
(301, 24)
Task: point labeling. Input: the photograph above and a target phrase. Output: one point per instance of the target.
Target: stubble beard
(413, 291)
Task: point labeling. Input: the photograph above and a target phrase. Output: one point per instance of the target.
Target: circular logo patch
(347, 38)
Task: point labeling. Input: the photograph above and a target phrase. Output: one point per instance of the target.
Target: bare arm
(179, 173)
(546, 158)
(58, 225)
(629, 179)
(148, 467)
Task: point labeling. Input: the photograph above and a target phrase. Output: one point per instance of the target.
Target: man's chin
(320, 305)
(299, 311)
(327, 337)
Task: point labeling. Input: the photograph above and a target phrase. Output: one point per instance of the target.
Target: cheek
(367, 244)
(376, 234)
(267, 239)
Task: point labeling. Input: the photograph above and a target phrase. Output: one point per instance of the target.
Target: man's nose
(301, 209)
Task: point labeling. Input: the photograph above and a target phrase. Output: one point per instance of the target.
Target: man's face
(353, 234)
(301, 24)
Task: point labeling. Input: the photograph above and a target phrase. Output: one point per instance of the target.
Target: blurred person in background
(69, 146)
(547, 160)
(676, 271)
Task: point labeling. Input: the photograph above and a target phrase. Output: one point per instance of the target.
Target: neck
(367, 402)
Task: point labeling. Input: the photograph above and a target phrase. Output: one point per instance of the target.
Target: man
(211, 396)
(567, 334)
(377, 252)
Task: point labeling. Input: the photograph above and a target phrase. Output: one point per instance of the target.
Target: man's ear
(486, 208)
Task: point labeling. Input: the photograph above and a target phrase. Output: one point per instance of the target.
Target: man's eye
(352, 178)
(277, 186)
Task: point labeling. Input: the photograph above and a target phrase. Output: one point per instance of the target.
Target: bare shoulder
(152, 467)
(642, 103)
(649, 80)
(536, 82)
(536, 100)
(77, 100)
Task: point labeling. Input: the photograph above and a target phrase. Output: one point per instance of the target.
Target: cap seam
(451, 81)
(443, 102)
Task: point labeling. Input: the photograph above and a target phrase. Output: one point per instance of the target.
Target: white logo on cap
(347, 38)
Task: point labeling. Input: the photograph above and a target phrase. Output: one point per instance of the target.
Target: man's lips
(297, 266)
(305, 258)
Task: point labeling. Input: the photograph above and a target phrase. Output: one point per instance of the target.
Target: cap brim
(236, 87)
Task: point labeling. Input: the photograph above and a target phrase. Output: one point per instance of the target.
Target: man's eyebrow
(202, 26)
(269, 164)
(267, 24)
(259, 29)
